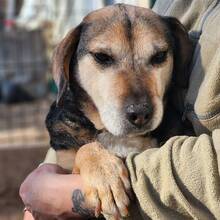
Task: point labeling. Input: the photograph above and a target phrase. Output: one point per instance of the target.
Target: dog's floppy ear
(182, 48)
(61, 60)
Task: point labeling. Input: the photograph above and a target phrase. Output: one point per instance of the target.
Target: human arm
(49, 190)
(180, 180)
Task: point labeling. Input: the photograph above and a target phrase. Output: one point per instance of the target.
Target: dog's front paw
(105, 179)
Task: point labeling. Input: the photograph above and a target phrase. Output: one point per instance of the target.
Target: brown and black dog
(114, 72)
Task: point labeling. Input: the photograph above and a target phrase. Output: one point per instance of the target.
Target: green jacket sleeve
(180, 180)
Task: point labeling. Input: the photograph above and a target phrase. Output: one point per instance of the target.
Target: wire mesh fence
(23, 124)
(24, 94)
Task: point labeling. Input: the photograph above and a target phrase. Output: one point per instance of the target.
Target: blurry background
(29, 31)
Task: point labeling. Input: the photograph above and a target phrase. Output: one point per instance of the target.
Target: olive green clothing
(180, 180)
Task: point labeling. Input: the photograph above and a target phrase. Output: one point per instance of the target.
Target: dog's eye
(159, 58)
(103, 58)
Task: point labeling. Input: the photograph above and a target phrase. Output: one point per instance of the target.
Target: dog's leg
(105, 178)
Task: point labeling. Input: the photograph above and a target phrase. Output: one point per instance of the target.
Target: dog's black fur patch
(67, 125)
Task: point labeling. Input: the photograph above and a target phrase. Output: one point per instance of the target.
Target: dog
(115, 72)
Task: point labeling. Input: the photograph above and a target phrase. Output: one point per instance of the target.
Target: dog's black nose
(139, 114)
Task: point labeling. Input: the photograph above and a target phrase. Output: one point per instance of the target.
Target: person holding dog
(180, 180)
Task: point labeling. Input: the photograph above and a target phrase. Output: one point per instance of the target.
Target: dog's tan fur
(132, 36)
(110, 87)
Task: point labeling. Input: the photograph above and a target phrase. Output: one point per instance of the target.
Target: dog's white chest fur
(122, 146)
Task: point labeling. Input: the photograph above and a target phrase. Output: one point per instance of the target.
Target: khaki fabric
(202, 99)
(51, 156)
(190, 12)
(180, 180)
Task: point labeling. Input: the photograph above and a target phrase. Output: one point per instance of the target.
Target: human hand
(47, 192)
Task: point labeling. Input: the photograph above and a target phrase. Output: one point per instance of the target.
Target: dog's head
(124, 58)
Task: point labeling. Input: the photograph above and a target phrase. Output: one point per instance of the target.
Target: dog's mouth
(133, 131)
(138, 133)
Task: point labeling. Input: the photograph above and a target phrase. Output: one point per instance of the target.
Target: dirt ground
(15, 165)
(11, 213)
(23, 145)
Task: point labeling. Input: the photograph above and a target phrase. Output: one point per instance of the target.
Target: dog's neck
(122, 146)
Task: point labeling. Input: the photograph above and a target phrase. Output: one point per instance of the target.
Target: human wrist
(71, 204)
